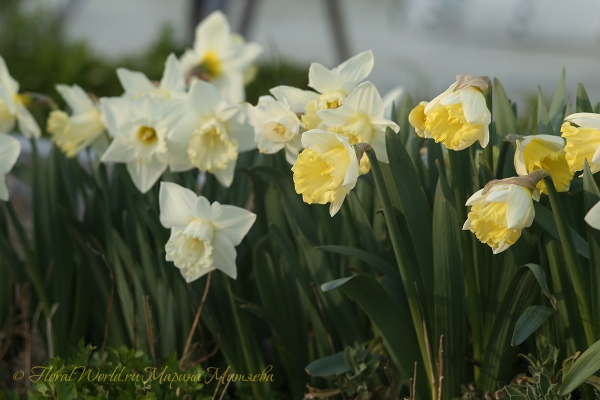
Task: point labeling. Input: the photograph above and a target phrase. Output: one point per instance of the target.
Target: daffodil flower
(203, 235)
(361, 119)
(13, 106)
(276, 122)
(501, 210)
(544, 152)
(171, 86)
(335, 85)
(326, 170)
(593, 216)
(213, 131)
(10, 149)
(139, 129)
(458, 117)
(221, 57)
(583, 141)
(74, 133)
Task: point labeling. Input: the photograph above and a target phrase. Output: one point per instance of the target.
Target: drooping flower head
(326, 170)
(76, 132)
(10, 149)
(221, 57)
(203, 235)
(139, 129)
(544, 152)
(582, 133)
(13, 106)
(361, 119)
(501, 210)
(213, 132)
(276, 122)
(335, 85)
(458, 117)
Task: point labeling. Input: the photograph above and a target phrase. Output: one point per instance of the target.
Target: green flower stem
(407, 278)
(573, 263)
(472, 286)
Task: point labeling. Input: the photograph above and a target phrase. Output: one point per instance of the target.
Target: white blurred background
(420, 44)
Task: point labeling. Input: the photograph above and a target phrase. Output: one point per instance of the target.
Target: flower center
(147, 135)
(211, 65)
(211, 150)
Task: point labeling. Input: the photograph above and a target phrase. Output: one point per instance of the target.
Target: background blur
(420, 44)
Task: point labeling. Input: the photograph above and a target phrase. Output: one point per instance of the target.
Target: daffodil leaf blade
(558, 105)
(584, 367)
(406, 128)
(373, 260)
(591, 196)
(399, 336)
(543, 217)
(530, 320)
(332, 365)
(504, 116)
(582, 102)
(449, 288)
(544, 126)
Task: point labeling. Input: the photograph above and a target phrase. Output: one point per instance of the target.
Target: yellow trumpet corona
(582, 133)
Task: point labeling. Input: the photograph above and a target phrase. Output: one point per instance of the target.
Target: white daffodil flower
(139, 129)
(74, 133)
(213, 132)
(335, 85)
(361, 119)
(203, 235)
(10, 148)
(13, 106)
(592, 217)
(501, 210)
(326, 170)
(171, 86)
(582, 133)
(276, 122)
(221, 57)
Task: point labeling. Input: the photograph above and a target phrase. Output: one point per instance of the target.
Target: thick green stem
(409, 281)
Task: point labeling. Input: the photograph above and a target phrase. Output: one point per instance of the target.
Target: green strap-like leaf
(532, 318)
(582, 103)
(544, 218)
(543, 119)
(332, 365)
(558, 105)
(587, 365)
(591, 196)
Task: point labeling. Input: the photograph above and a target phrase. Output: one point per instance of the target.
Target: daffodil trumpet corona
(502, 209)
(582, 133)
(458, 117)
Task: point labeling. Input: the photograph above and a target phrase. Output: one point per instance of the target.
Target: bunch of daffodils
(221, 57)
(458, 117)
(13, 106)
(10, 149)
(501, 210)
(544, 152)
(203, 235)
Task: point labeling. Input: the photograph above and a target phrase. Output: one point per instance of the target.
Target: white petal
(224, 255)
(175, 203)
(318, 137)
(11, 84)
(353, 168)
(76, 98)
(234, 223)
(354, 70)
(213, 33)
(295, 98)
(340, 196)
(438, 98)
(115, 111)
(585, 120)
(173, 79)
(244, 134)
(232, 87)
(204, 98)
(474, 107)
(225, 176)
(475, 198)
(27, 124)
(10, 148)
(134, 83)
(593, 216)
(118, 152)
(184, 129)
(365, 99)
(378, 144)
(201, 208)
(321, 79)
(517, 210)
(466, 225)
(338, 116)
(519, 161)
(596, 156)
(145, 175)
